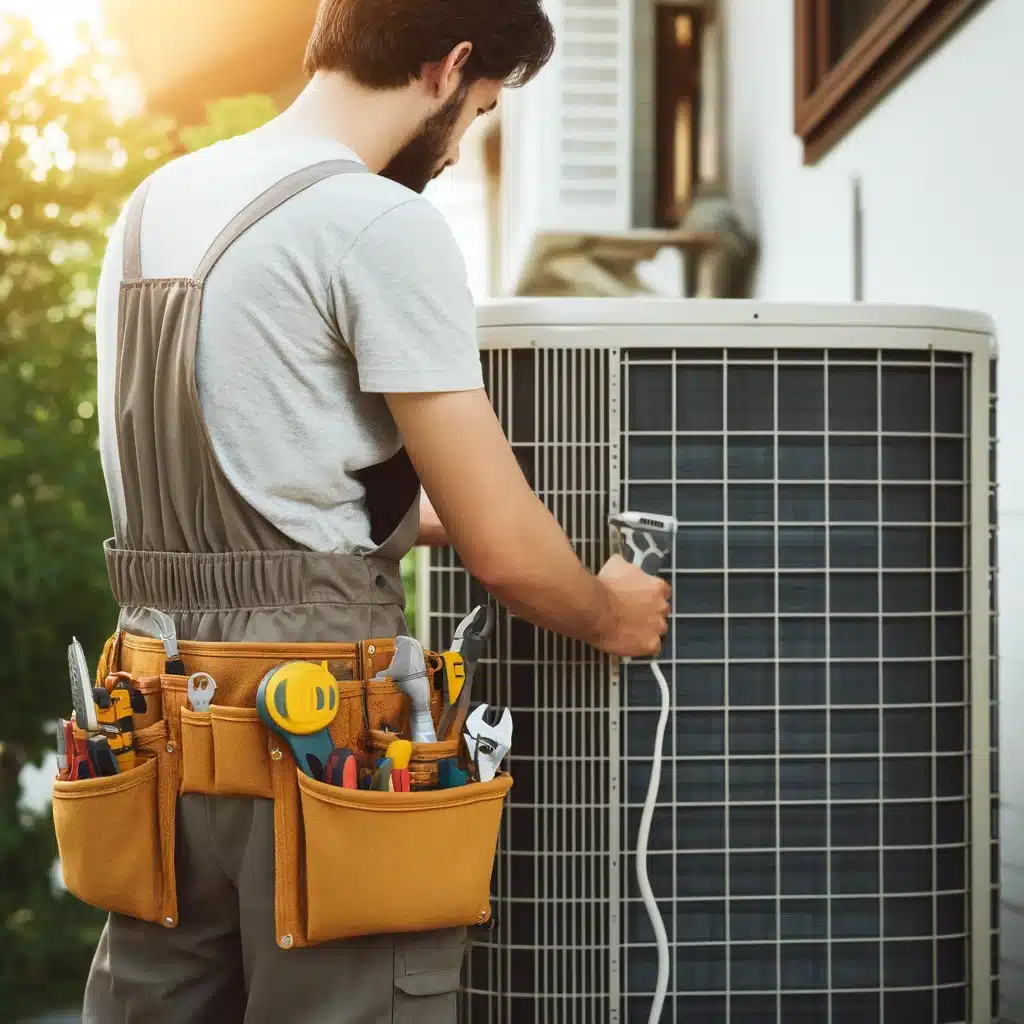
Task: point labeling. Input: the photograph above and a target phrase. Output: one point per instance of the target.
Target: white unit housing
(823, 846)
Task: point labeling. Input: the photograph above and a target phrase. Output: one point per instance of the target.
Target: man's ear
(445, 76)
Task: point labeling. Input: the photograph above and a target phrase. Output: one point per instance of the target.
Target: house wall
(940, 161)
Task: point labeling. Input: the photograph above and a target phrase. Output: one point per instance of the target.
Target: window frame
(668, 89)
(829, 101)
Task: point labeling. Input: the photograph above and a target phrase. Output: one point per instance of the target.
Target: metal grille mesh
(810, 848)
(549, 956)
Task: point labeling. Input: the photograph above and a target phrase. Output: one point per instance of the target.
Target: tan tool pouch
(228, 751)
(115, 835)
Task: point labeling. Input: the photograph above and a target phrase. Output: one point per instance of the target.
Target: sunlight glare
(56, 21)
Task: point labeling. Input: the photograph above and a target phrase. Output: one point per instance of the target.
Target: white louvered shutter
(568, 135)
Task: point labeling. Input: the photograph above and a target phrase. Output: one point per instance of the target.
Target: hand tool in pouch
(450, 775)
(62, 746)
(101, 757)
(117, 705)
(298, 700)
(173, 665)
(408, 671)
(201, 688)
(471, 636)
(399, 753)
(646, 540)
(382, 777)
(78, 754)
(453, 675)
(86, 716)
(342, 769)
(488, 739)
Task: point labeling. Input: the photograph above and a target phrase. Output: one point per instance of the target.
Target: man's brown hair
(383, 44)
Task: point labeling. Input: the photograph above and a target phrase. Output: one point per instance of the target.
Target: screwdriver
(399, 753)
(382, 777)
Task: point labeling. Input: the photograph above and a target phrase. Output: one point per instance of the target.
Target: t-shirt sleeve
(404, 305)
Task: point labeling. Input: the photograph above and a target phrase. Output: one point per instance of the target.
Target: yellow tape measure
(300, 697)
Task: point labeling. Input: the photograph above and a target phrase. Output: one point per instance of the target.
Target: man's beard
(419, 161)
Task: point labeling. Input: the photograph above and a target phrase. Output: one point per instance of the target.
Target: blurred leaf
(227, 118)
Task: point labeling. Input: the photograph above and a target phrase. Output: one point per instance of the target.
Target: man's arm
(505, 536)
(432, 532)
(407, 315)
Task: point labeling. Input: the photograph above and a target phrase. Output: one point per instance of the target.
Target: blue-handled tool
(298, 700)
(450, 775)
(382, 780)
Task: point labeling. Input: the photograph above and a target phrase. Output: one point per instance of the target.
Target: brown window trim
(830, 101)
(677, 77)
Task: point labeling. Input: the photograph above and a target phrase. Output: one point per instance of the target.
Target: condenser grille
(810, 849)
(810, 854)
(550, 955)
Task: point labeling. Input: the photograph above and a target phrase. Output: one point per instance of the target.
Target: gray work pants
(222, 965)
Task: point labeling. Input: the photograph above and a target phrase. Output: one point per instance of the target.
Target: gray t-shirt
(354, 288)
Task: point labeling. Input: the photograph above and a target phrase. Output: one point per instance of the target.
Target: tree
(68, 162)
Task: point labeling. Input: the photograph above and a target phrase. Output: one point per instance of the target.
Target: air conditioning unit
(823, 848)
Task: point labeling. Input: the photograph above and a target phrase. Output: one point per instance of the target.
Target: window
(678, 104)
(849, 53)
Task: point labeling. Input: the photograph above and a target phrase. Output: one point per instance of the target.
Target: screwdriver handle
(643, 539)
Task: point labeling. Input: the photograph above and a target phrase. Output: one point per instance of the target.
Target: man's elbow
(495, 571)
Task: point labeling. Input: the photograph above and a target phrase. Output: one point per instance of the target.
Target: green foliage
(67, 165)
(227, 118)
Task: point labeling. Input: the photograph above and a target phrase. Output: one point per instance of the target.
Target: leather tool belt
(402, 842)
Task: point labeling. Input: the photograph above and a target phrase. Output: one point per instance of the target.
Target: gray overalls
(194, 548)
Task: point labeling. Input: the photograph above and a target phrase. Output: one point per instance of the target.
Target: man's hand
(505, 536)
(640, 610)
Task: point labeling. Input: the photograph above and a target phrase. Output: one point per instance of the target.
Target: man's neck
(373, 123)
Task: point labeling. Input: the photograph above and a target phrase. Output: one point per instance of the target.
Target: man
(284, 333)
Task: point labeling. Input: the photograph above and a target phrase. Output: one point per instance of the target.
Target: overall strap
(278, 193)
(133, 232)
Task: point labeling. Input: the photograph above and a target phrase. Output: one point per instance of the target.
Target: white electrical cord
(642, 838)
